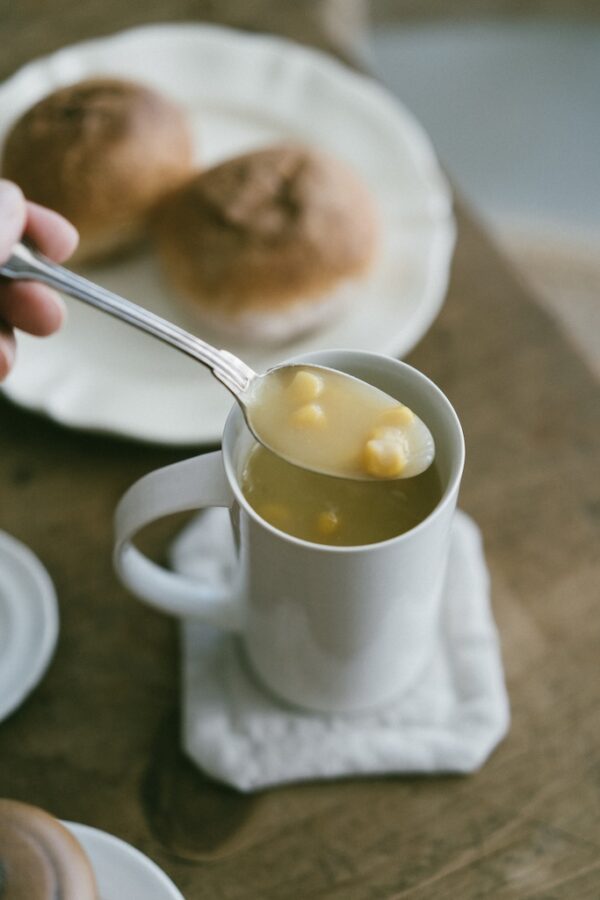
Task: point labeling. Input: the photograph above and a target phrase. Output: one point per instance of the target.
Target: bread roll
(101, 152)
(39, 858)
(269, 244)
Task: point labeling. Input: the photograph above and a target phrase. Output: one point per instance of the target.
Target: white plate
(28, 622)
(240, 91)
(122, 872)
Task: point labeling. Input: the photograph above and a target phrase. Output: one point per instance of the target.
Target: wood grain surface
(98, 742)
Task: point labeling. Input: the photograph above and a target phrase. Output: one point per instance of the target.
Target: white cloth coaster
(450, 721)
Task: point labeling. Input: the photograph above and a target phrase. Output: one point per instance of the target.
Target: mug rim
(235, 414)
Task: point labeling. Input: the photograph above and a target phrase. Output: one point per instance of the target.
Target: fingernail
(12, 217)
(12, 202)
(61, 309)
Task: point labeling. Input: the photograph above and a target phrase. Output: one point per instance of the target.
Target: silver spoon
(28, 264)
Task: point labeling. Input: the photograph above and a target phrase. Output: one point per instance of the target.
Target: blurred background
(509, 92)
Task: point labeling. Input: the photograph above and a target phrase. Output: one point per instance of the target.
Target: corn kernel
(389, 433)
(310, 415)
(384, 459)
(397, 415)
(327, 522)
(305, 386)
(275, 514)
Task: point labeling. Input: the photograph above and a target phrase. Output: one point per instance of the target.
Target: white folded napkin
(449, 721)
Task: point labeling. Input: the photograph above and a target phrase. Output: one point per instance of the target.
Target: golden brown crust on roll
(267, 230)
(39, 858)
(101, 152)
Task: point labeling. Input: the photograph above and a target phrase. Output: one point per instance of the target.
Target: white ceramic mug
(326, 628)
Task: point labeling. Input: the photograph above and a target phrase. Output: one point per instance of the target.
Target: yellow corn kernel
(397, 415)
(275, 514)
(305, 386)
(327, 522)
(388, 433)
(384, 459)
(310, 415)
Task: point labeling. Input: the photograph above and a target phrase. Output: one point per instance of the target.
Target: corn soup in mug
(341, 512)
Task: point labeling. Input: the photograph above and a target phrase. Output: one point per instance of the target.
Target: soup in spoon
(333, 423)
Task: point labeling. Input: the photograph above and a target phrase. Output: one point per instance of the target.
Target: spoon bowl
(335, 424)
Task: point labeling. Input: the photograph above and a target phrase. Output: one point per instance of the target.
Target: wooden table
(97, 742)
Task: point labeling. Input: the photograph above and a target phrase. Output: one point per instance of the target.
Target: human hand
(29, 305)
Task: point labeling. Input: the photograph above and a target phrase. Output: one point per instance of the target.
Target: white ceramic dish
(122, 872)
(240, 91)
(28, 622)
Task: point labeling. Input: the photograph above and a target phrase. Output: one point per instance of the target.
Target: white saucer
(240, 91)
(122, 872)
(28, 622)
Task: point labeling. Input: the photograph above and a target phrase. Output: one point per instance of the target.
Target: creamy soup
(328, 422)
(335, 511)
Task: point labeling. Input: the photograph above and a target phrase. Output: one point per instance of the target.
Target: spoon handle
(28, 264)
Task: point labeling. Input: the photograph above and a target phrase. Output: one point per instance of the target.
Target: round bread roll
(39, 858)
(101, 152)
(268, 245)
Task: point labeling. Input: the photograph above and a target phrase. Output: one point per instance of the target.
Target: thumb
(13, 214)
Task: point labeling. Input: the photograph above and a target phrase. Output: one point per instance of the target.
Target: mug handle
(192, 484)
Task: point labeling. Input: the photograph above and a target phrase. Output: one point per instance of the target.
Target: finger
(13, 214)
(51, 232)
(8, 350)
(32, 307)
